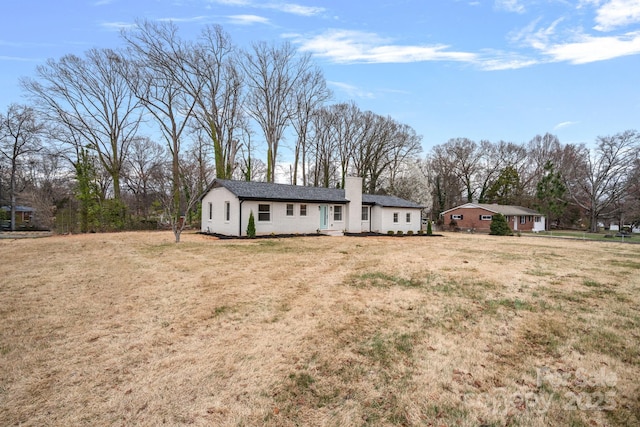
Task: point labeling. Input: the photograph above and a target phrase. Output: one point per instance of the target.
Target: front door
(324, 217)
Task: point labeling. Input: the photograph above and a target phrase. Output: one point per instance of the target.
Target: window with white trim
(264, 213)
(303, 210)
(523, 219)
(395, 217)
(456, 217)
(486, 217)
(337, 213)
(227, 211)
(289, 209)
(365, 213)
(408, 217)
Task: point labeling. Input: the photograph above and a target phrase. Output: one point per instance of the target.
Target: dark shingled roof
(267, 191)
(246, 190)
(388, 201)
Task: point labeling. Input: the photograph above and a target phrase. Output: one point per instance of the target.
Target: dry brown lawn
(469, 330)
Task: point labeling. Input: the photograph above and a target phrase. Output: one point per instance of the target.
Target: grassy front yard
(131, 329)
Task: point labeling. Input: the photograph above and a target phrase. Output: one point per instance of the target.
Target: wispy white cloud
(510, 6)
(564, 125)
(498, 61)
(534, 37)
(348, 46)
(247, 19)
(617, 13)
(292, 8)
(18, 59)
(351, 90)
(586, 48)
(573, 44)
(102, 2)
(189, 19)
(118, 25)
(296, 9)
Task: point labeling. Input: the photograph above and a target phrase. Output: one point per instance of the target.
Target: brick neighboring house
(477, 217)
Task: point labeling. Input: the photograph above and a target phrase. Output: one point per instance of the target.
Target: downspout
(240, 220)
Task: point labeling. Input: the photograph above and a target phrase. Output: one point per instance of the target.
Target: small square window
(303, 210)
(264, 213)
(289, 209)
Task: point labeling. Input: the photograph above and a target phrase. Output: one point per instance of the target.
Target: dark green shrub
(410, 232)
(390, 232)
(251, 227)
(399, 233)
(499, 226)
(429, 229)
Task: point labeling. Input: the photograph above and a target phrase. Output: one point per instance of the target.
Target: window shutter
(451, 216)
(461, 216)
(480, 217)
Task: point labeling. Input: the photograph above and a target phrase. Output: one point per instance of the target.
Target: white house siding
(382, 220)
(280, 223)
(402, 224)
(218, 197)
(539, 225)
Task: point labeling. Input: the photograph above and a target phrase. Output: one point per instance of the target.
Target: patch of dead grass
(131, 329)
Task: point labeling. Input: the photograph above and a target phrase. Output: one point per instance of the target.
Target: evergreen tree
(506, 189)
(499, 226)
(429, 229)
(87, 190)
(251, 227)
(550, 193)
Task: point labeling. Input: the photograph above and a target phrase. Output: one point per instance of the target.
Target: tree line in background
(129, 138)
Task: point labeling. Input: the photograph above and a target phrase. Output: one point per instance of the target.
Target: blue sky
(481, 69)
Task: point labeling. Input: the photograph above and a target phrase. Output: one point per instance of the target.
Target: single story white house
(291, 209)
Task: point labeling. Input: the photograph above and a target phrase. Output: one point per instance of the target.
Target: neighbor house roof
(18, 208)
(510, 210)
(246, 190)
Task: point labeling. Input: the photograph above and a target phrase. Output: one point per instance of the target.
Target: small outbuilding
(24, 215)
(478, 216)
(294, 209)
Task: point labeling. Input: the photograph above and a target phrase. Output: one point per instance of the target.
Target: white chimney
(353, 193)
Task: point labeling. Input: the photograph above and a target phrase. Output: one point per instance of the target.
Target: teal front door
(324, 217)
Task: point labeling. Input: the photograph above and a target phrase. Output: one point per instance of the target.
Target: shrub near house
(499, 226)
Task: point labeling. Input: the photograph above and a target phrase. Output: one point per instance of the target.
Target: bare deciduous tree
(309, 94)
(19, 138)
(161, 80)
(218, 91)
(272, 73)
(142, 170)
(90, 96)
(602, 177)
